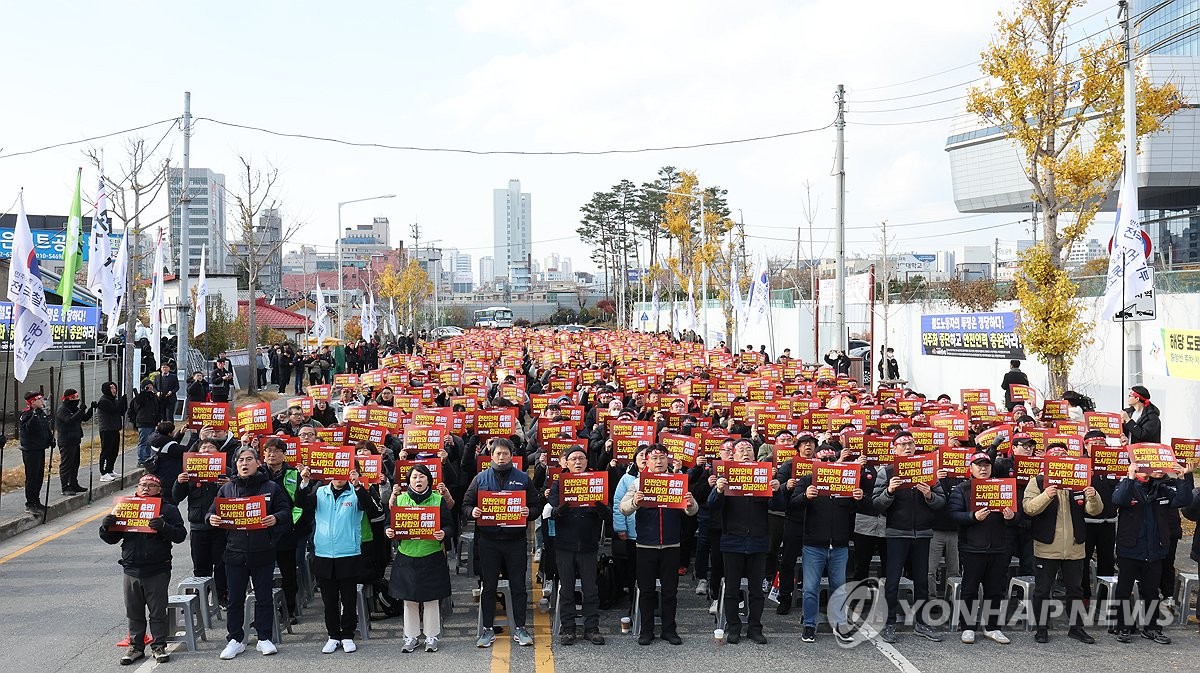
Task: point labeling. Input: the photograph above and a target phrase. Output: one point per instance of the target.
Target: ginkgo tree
(1061, 106)
(410, 287)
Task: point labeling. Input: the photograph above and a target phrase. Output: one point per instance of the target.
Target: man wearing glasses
(146, 562)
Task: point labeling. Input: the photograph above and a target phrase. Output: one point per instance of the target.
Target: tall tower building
(512, 236)
(206, 217)
(487, 270)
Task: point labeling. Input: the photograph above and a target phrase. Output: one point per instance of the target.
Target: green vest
(420, 548)
(291, 483)
(368, 535)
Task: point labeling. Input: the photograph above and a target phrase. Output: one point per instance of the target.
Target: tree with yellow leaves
(1047, 100)
(410, 288)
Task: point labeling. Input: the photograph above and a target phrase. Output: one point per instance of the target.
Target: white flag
(690, 308)
(31, 317)
(1129, 275)
(100, 278)
(760, 294)
(157, 301)
(735, 299)
(654, 306)
(392, 318)
(200, 322)
(319, 331)
(119, 269)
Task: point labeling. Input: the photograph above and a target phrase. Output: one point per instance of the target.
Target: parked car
(445, 332)
(574, 329)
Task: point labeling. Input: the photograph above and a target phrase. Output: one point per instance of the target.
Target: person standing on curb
(146, 564)
(166, 383)
(68, 424)
(144, 413)
(33, 431)
(111, 419)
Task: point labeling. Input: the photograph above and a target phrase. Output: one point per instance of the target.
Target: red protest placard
(369, 468)
(320, 391)
(332, 435)
(994, 494)
(919, 469)
(254, 418)
(442, 418)
(663, 490)
(1070, 427)
(427, 439)
(214, 414)
(403, 467)
(345, 380)
(134, 513)
(1106, 422)
(1186, 449)
(802, 467)
(305, 403)
(681, 447)
(583, 488)
(956, 462)
(496, 422)
(878, 449)
(836, 479)
(241, 513)
(547, 430)
(975, 395)
(745, 478)
(416, 523)
(365, 432)
(1150, 457)
(1026, 467)
(1056, 410)
(929, 439)
(953, 422)
(628, 435)
(1070, 473)
(782, 453)
(558, 448)
(389, 417)
(501, 508)
(204, 467)
(1021, 393)
(1110, 462)
(326, 463)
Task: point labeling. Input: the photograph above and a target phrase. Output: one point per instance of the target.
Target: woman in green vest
(420, 576)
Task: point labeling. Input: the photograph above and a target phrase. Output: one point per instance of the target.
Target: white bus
(494, 316)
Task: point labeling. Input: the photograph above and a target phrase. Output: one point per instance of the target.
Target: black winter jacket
(908, 513)
(253, 548)
(828, 521)
(33, 429)
(200, 499)
(69, 419)
(577, 527)
(110, 409)
(145, 410)
(1147, 428)
(989, 536)
(147, 554)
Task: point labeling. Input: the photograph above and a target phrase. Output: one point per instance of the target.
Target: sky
(537, 75)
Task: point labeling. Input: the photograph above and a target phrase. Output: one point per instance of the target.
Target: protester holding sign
(828, 525)
(909, 512)
(289, 553)
(501, 548)
(983, 547)
(793, 518)
(1145, 505)
(578, 525)
(624, 525)
(420, 577)
(710, 564)
(1059, 532)
(659, 532)
(207, 543)
(744, 544)
(1101, 529)
(250, 554)
(146, 564)
(338, 509)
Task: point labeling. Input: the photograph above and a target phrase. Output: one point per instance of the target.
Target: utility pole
(185, 263)
(1133, 339)
(839, 173)
(996, 260)
(887, 282)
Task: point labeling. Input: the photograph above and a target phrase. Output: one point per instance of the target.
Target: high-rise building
(487, 270)
(267, 249)
(361, 241)
(513, 237)
(551, 263)
(565, 265)
(457, 268)
(206, 217)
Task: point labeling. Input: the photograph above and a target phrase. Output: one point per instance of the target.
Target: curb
(14, 527)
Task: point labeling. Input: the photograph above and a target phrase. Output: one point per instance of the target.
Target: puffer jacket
(147, 554)
(576, 527)
(1147, 428)
(69, 419)
(253, 548)
(1057, 524)
(907, 511)
(989, 536)
(622, 522)
(200, 499)
(1146, 512)
(111, 409)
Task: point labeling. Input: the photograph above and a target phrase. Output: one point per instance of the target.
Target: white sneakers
(702, 587)
(266, 647)
(232, 649)
(348, 645)
(107, 477)
(331, 646)
(968, 637)
(997, 636)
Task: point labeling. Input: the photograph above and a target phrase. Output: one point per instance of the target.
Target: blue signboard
(76, 330)
(972, 335)
(48, 243)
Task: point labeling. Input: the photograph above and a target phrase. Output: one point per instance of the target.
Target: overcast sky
(528, 76)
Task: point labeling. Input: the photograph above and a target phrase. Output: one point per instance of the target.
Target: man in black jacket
(909, 512)
(221, 381)
(166, 383)
(576, 546)
(793, 525)
(33, 431)
(110, 417)
(983, 546)
(1141, 419)
(68, 422)
(1013, 375)
(146, 561)
(145, 413)
(207, 543)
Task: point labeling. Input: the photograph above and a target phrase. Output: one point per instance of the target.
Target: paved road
(60, 608)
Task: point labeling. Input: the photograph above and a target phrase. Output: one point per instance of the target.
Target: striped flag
(31, 318)
(72, 247)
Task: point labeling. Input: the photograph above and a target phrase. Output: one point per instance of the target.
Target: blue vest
(338, 524)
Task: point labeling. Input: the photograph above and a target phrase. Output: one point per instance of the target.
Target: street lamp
(704, 234)
(340, 273)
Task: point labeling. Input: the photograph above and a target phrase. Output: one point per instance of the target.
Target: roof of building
(274, 316)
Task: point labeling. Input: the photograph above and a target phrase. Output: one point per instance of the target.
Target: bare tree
(256, 195)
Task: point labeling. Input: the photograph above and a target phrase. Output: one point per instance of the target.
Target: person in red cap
(146, 562)
(1141, 418)
(33, 431)
(983, 548)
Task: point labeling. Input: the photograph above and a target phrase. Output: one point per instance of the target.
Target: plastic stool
(502, 587)
(906, 586)
(555, 597)
(637, 605)
(206, 589)
(1024, 584)
(363, 598)
(279, 614)
(1188, 583)
(954, 598)
(185, 608)
(743, 589)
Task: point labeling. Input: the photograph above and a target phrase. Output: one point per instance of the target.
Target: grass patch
(14, 478)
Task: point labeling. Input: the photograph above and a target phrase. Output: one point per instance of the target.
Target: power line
(908, 238)
(873, 227)
(463, 150)
(10, 155)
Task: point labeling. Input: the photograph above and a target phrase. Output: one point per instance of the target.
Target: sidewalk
(13, 517)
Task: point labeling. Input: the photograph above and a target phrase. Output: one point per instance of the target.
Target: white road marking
(889, 651)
